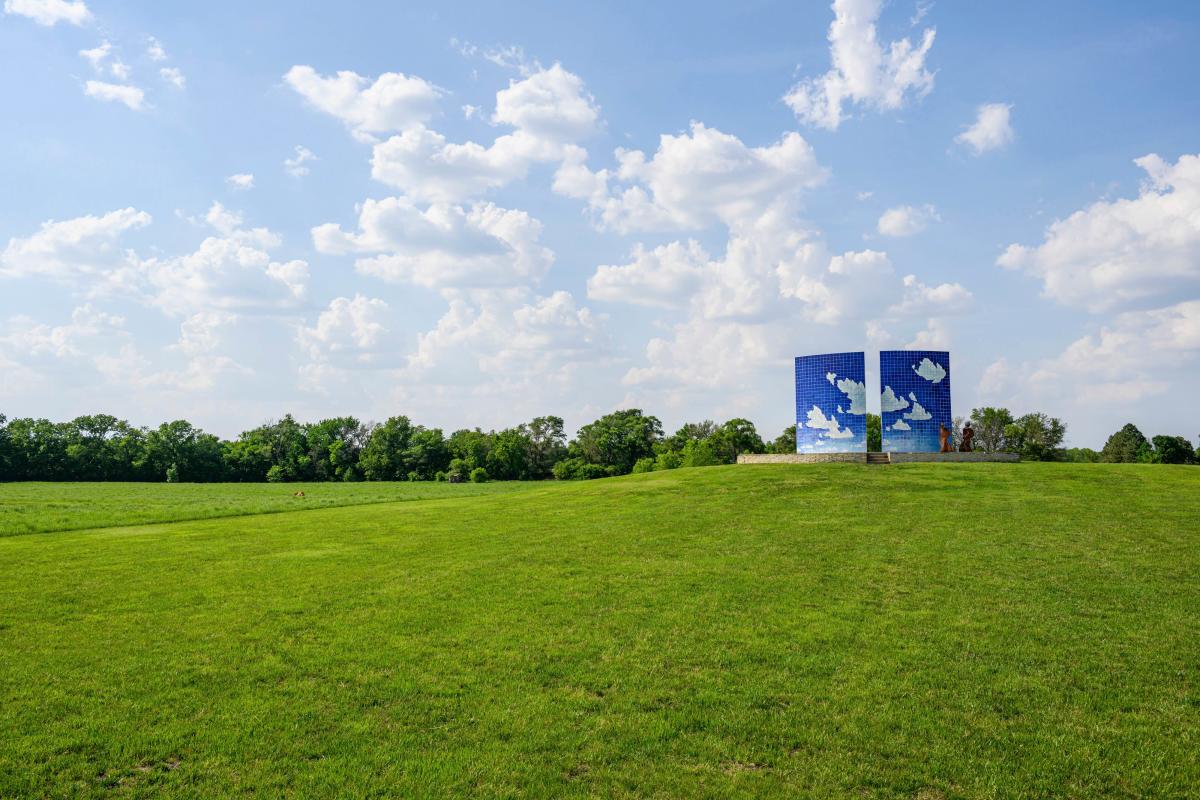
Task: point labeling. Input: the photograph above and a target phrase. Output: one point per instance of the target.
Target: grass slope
(817, 631)
(45, 507)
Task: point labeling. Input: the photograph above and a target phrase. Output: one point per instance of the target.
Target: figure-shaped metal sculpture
(944, 438)
(968, 436)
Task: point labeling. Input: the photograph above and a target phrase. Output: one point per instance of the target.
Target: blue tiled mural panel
(831, 411)
(914, 399)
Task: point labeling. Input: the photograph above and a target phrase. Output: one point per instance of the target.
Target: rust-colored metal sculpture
(968, 436)
(944, 438)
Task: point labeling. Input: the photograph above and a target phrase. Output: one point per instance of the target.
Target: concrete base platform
(861, 458)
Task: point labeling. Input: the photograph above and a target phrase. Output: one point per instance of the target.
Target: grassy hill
(46, 507)
(928, 631)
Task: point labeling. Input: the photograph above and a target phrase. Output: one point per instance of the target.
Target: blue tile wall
(831, 413)
(914, 399)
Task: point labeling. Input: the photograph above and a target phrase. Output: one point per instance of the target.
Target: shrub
(566, 469)
(1081, 455)
(458, 471)
(699, 453)
(643, 465)
(479, 475)
(275, 475)
(576, 469)
(669, 459)
(590, 472)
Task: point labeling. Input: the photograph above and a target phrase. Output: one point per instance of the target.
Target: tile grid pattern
(815, 389)
(920, 380)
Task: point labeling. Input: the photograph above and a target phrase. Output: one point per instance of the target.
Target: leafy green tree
(699, 453)
(989, 424)
(689, 432)
(282, 444)
(195, 455)
(385, 458)
(5, 451)
(1173, 450)
(334, 447)
(472, 446)
(38, 450)
(100, 447)
(248, 458)
(479, 475)
(735, 437)
(616, 441)
(668, 459)
(547, 445)
(427, 453)
(511, 456)
(874, 433)
(1127, 446)
(1035, 436)
(786, 441)
(1081, 455)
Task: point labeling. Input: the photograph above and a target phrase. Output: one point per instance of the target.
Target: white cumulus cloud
(991, 130)
(241, 180)
(349, 326)
(441, 245)
(50, 12)
(96, 55)
(549, 110)
(864, 72)
(393, 101)
(907, 220)
(297, 165)
(698, 178)
(173, 76)
(1125, 252)
(154, 50)
(921, 299)
(131, 96)
(73, 249)
(230, 271)
(665, 277)
(549, 104)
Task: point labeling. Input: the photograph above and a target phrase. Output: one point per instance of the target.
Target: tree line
(100, 447)
(1039, 437)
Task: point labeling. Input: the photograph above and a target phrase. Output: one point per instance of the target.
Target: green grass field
(918, 631)
(44, 507)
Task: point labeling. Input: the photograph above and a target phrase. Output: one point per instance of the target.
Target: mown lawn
(1028, 630)
(43, 507)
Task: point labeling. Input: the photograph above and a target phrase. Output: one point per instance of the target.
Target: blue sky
(569, 208)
